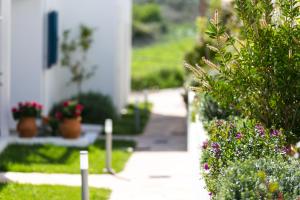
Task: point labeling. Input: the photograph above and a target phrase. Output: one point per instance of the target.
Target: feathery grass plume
(197, 71)
(215, 49)
(211, 64)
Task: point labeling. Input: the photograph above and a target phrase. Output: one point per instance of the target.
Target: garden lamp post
(108, 144)
(84, 166)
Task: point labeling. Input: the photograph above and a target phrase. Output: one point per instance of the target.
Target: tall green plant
(74, 55)
(259, 73)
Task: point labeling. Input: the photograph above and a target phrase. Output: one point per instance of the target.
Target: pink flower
(14, 110)
(239, 136)
(205, 166)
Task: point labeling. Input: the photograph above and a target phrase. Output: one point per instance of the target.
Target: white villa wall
(31, 80)
(27, 51)
(109, 51)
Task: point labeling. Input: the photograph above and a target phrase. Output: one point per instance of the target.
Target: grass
(47, 192)
(57, 159)
(160, 65)
(126, 124)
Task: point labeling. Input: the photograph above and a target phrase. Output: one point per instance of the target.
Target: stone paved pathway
(161, 169)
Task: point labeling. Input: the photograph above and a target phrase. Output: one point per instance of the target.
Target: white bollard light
(108, 144)
(84, 166)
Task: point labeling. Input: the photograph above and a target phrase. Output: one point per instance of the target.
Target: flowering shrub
(258, 73)
(261, 179)
(27, 109)
(237, 140)
(68, 110)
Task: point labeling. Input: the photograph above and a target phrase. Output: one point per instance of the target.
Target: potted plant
(26, 113)
(69, 116)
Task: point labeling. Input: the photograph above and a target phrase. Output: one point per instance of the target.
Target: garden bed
(47, 158)
(45, 192)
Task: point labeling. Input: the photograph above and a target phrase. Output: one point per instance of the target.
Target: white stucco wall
(5, 67)
(31, 80)
(27, 51)
(109, 51)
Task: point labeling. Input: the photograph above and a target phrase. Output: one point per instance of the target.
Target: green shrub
(97, 108)
(266, 179)
(210, 109)
(163, 78)
(237, 140)
(259, 73)
(147, 13)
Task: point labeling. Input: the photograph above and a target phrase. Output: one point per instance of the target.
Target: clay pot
(27, 127)
(71, 128)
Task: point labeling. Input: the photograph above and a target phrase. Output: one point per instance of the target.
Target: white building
(24, 53)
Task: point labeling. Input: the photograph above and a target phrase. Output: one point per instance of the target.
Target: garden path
(162, 169)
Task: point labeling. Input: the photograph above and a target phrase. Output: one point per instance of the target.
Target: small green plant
(74, 55)
(258, 73)
(237, 140)
(27, 109)
(266, 179)
(97, 108)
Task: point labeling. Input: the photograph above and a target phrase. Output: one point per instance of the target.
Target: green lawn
(160, 65)
(56, 159)
(48, 192)
(126, 124)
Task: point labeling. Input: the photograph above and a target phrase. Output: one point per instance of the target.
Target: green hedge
(266, 179)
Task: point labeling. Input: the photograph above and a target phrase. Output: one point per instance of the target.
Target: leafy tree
(74, 55)
(258, 73)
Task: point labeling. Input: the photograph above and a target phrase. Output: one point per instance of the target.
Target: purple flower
(216, 149)
(205, 145)
(205, 166)
(215, 145)
(286, 150)
(275, 133)
(239, 135)
(260, 129)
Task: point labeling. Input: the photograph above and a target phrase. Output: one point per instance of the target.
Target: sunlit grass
(46, 192)
(58, 159)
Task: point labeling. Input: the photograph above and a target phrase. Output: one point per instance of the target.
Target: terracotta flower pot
(71, 128)
(27, 127)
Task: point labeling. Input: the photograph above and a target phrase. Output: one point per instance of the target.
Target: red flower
(58, 115)
(79, 107)
(21, 104)
(14, 110)
(28, 104)
(66, 103)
